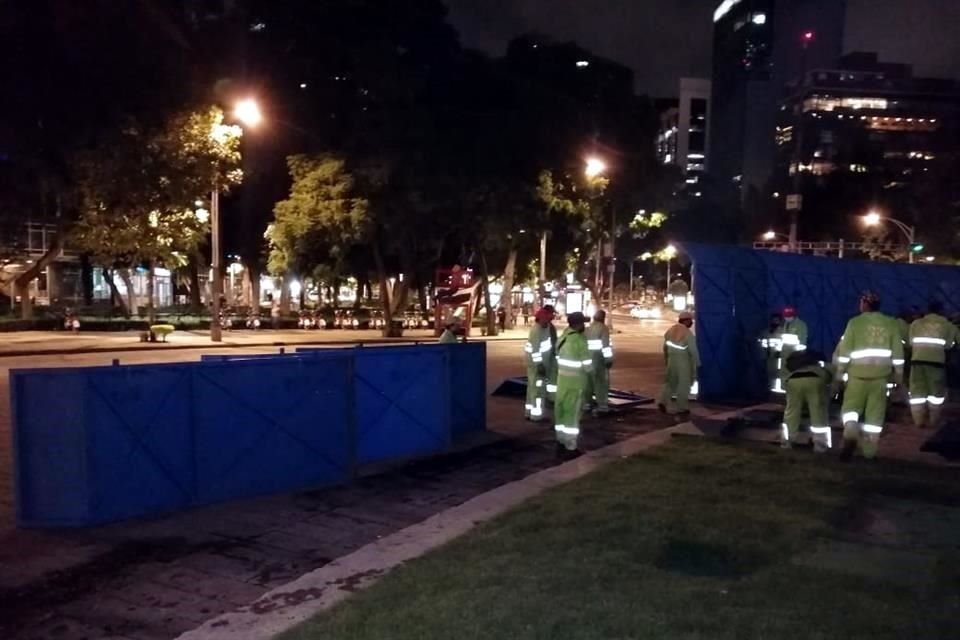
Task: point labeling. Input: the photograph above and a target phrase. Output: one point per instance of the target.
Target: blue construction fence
(94, 445)
(736, 289)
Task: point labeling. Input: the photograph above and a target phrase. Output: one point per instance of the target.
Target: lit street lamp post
(873, 218)
(247, 112)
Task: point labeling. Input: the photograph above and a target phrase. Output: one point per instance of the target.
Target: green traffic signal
(916, 247)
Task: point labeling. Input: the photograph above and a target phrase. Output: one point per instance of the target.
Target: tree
(139, 191)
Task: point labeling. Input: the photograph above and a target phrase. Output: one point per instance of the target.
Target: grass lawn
(694, 540)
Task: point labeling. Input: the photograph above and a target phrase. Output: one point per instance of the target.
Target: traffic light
(916, 247)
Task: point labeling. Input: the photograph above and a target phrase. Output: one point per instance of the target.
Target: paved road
(154, 579)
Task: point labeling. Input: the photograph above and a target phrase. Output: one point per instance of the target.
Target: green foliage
(320, 220)
(138, 188)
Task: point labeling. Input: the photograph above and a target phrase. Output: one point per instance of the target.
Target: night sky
(663, 40)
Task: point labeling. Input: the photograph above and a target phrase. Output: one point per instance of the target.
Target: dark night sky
(663, 40)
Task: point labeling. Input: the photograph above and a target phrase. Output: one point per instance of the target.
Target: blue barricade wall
(101, 444)
(736, 289)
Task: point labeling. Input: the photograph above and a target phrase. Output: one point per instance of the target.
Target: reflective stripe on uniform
(595, 345)
(567, 431)
(936, 400)
(823, 431)
(843, 359)
(939, 342)
(539, 383)
(546, 346)
(918, 401)
(860, 354)
(851, 416)
(551, 388)
(607, 352)
(872, 428)
(528, 348)
(571, 364)
(674, 345)
(899, 362)
(785, 432)
(791, 340)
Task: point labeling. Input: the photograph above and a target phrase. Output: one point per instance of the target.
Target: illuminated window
(759, 18)
(826, 103)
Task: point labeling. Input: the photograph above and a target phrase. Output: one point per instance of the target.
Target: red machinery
(455, 295)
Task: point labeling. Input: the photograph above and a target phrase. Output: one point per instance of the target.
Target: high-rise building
(863, 133)
(683, 139)
(760, 46)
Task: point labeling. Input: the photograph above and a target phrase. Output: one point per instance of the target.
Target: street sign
(794, 202)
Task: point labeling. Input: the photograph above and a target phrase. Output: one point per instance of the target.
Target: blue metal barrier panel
(272, 425)
(468, 387)
(50, 447)
(402, 400)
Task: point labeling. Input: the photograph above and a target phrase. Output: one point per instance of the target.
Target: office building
(760, 47)
(862, 133)
(683, 139)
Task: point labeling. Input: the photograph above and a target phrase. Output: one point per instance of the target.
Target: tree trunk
(196, 297)
(285, 293)
(509, 273)
(485, 277)
(254, 271)
(116, 300)
(86, 280)
(22, 282)
(151, 285)
(128, 283)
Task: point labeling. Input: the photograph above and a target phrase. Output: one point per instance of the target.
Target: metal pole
(911, 237)
(668, 276)
(543, 265)
(840, 255)
(612, 269)
(631, 278)
(215, 332)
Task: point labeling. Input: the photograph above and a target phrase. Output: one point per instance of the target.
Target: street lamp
(874, 218)
(772, 235)
(247, 112)
(595, 167)
(670, 252)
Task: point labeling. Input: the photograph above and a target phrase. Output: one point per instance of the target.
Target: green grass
(690, 541)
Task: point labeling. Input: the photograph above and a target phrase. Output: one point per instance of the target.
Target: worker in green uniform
(449, 335)
(598, 383)
(930, 338)
(574, 363)
(770, 345)
(540, 358)
(683, 360)
(793, 337)
(807, 379)
(869, 352)
(551, 383)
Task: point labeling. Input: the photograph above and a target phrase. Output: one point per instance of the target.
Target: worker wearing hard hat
(792, 338)
(540, 357)
(683, 360)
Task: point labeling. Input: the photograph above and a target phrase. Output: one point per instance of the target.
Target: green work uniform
(870, 351)
(574, 363)
(448, 337)
(552, 365)
(808, 378)
(598, 383)
(792, 337)
(683, 360)
(930, 338)
(540, 357)
(770, 345)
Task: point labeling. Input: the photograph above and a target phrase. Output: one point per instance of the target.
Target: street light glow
(595, 166)
(670, 251)
(770, 235)
(872, 219)
(248, 112)
(929, 258)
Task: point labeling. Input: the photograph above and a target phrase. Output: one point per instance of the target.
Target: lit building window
(582, 64)
(858, 168)
(827, 103)
(759, 18)
(695, 156)
(724, 9)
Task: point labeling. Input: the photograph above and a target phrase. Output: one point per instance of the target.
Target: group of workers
(571, 370)
(869, 363)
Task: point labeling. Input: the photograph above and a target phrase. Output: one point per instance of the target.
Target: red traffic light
(808, 36)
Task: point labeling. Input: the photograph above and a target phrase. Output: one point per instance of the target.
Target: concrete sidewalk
(61, 343)
(157, 579)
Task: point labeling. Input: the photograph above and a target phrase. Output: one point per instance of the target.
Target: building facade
(683, 137)
(760, 48)
(863, 134)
